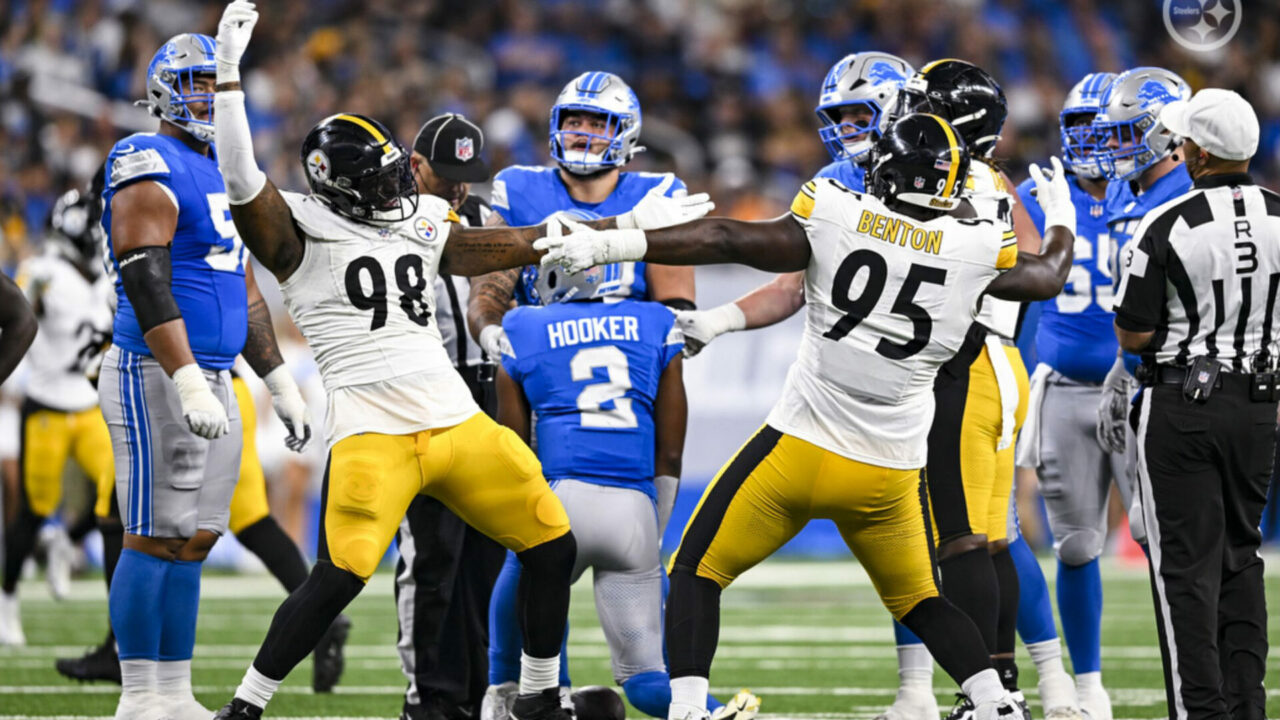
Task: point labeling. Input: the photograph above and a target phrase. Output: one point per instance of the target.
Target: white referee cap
(1220, 121)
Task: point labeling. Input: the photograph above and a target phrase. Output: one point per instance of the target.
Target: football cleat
(1058, 697)
(1006, 708)
(743, 706)
(544, 705)
(1064, 713)
(141, 706)
(327, 661)
(11, 621)
(60, 555)
(1021, 701)
(497, 701)
(187, 708)
(100, 663)
(911, 704)
(238, 709)
(963, 709)
(1095, 702)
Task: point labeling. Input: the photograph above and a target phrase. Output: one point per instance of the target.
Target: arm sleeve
(1141, 297)
(1033, 207)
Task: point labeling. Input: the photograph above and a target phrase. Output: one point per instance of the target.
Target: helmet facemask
(850, 140)
(584, 161)
(1081, 142)
(171, 84)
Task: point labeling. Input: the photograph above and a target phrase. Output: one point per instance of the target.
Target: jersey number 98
(409, 279)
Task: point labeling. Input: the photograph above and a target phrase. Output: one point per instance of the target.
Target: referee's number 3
(1247, 257)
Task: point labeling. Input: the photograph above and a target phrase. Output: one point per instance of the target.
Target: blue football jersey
(207, 255)
(590, 371)
(1074, 335)
(847, 174)
(527, 195)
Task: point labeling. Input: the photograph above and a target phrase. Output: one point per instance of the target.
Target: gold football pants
(52, 437)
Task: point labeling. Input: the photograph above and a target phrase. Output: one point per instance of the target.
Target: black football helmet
(961, 93)
(74, 223)
(354, 165)
(920, 159)
(598, 703)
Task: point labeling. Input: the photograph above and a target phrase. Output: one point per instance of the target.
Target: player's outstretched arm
(769, 304)
(17, 326)
(513, 406)
(261, 216)
(262, 352)
(671, 417)
(1042, 276)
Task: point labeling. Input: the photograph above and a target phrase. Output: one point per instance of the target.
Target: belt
(1175, 375)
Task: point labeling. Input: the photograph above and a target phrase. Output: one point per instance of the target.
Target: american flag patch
(942, 164)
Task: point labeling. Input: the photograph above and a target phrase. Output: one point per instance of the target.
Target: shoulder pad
(136, 157)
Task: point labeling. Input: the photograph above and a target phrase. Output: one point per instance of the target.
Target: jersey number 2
(409, 278)
(857, 309)
(593, 397)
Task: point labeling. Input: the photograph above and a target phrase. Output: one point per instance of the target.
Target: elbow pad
(235, 148)
(146, 274)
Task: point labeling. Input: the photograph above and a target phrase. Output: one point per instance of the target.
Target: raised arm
(260, 214)
(1042, 276)
(262, 352)
(17, 326)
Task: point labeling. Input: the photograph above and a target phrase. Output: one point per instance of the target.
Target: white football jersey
(364, 298)
(74, 326)
(987, 191)
(888, 300)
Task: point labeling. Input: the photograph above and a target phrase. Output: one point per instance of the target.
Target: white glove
(493, 340)
(234, 30)
(700, 327)
(1054, 195)
(204, 414)
(583, 247)
(1113, 407)
(656, 210)
(290, 407)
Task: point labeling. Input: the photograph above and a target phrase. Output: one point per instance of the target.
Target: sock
(173, 678)
(1089, 680)
(544, 595)
(650, 693)
(1035, 611)
(983, 687)
(1007, 620)
(693, 627)
(112, 544)
(138, 676)
(565, 682)
(1047, 656)
(504, 625)
(688, 694)
(256, 688)
(276, 550)
(1007, 668)
(969, 581)
(181, 606)
(1080, 605)
(951, 637)
(915, 667)
(136, 604)
(303, 617)
(538, 674)
(903, 636)
(19, 541)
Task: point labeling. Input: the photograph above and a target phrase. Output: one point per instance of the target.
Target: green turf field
(810, 638)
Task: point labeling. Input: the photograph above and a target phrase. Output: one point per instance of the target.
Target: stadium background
(727, 89)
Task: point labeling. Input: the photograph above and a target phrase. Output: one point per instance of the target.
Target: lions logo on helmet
(601, 94)
(1127, 123)
(171, 79)
(867, 81)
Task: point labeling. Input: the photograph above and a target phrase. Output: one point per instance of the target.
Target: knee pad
(352, 519)
(1079, 547)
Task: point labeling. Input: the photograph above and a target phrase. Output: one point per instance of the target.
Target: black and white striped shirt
(452, 294)
(1203, 274)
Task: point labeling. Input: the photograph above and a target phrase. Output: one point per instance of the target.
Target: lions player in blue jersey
(603, 377)
(1076, 346)
(183, 314)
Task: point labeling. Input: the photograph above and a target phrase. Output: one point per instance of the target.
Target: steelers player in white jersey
(892, 284)
(356, 260)
(61, 421)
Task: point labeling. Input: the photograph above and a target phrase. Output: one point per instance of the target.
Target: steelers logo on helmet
(425, 229)
(318, 165)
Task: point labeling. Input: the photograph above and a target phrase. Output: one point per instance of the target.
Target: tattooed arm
(260, 348)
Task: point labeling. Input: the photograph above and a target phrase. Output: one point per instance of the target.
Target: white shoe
(141, 706)
(11, 621)
(687, 712)
(60, 555)
(1006, 708)
(1058, 698)
(188, 708)
(498, 700)
(911, 704)
(1095, 702)
(743, 706)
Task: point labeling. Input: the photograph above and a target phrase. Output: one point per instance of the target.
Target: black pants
(444, 578)
(1203, 472)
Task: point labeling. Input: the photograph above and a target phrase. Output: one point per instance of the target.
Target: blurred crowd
(727, 86)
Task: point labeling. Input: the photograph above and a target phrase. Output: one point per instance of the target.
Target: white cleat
(676, 711)
(743, 706)
(497, 701)
(141, 706)
(911, 704)
(1064, 713)
(1095, 702)
(189, 708)
(61, 556)
(11, 621)
(1006, 708)
(1058, 698)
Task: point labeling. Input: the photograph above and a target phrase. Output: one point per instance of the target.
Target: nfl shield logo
(919, 182)
(463, 149)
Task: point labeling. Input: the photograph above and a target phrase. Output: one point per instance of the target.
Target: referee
(1198, 303)
(447, 569)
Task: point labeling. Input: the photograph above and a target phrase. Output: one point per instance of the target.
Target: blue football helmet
(869, 79)
(171, 83)
(1080, 141)
(554, 285)
(604, 94)
(1129, 120)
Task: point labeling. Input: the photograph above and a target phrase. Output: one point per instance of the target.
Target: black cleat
(238, 709)
(100, 663)
(327, 661)
(540, 706)
(963, 709)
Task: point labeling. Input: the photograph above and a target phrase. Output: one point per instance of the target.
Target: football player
(60, 417)
(164, 387)
(356, 260)
(594, 132)
(892, 284)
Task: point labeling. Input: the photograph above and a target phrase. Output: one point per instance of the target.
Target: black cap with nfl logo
(452, 144)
